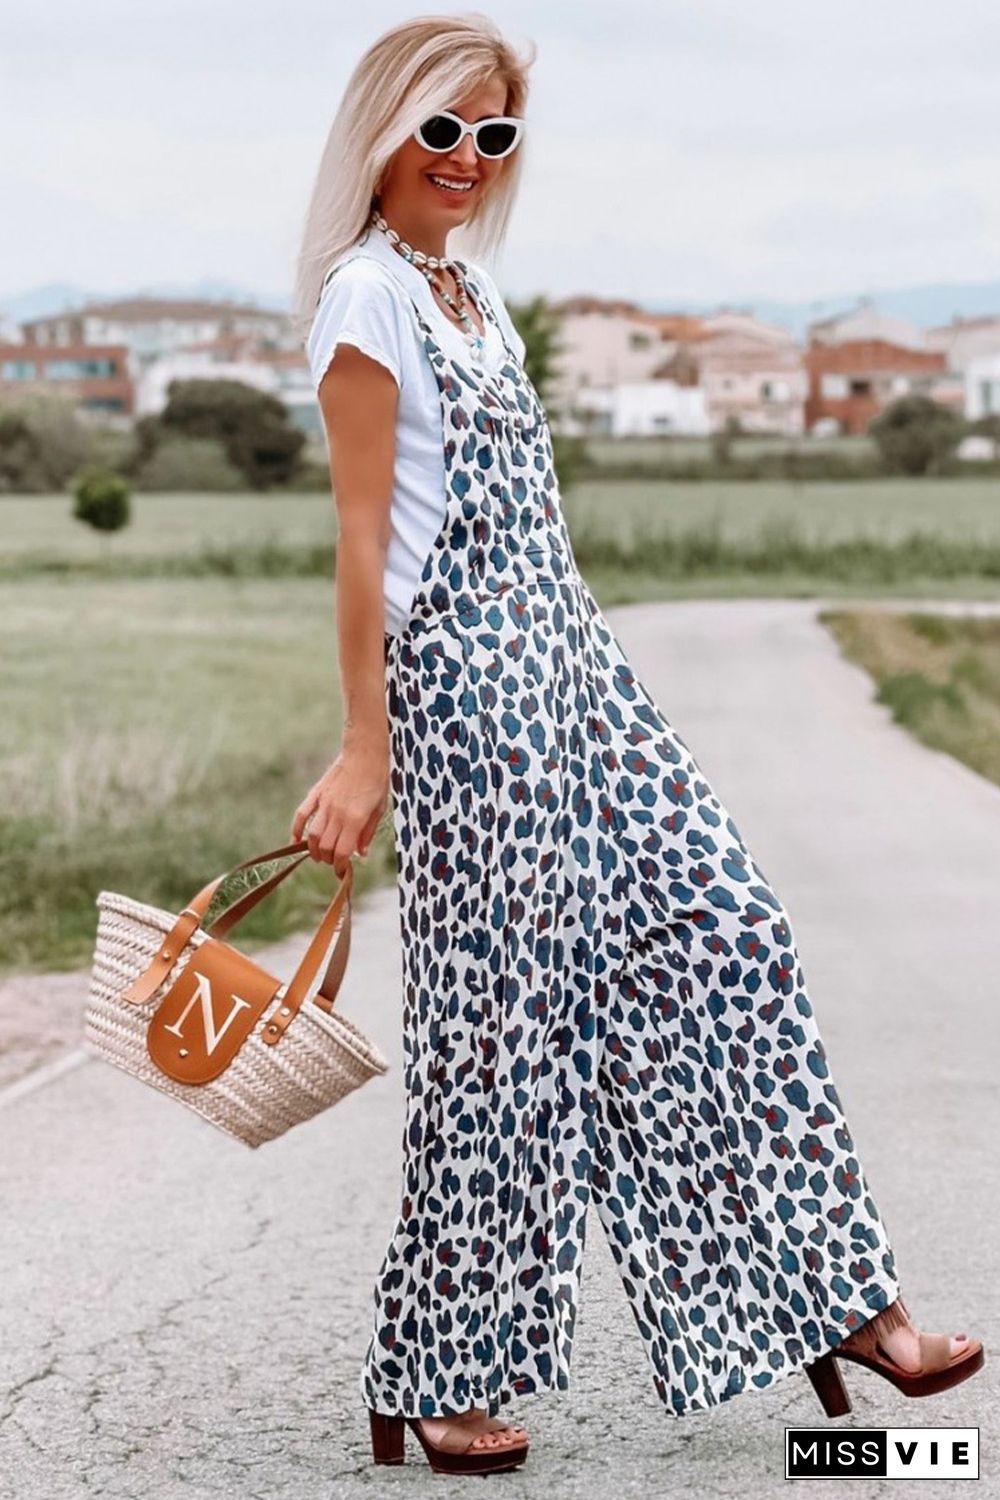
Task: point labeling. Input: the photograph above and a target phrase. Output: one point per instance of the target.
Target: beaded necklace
(427, 265)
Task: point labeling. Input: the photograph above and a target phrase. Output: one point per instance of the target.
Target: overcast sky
(679, 149)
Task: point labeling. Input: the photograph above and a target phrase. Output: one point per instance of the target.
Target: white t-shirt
(366, 304)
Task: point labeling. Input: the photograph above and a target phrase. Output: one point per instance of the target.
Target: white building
(982, 387)
(977, 448)
(865, 324)
(151, 327)
(643, 408)
(966, 339)
(152, 384)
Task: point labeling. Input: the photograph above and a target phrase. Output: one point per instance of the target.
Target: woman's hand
(346, 805)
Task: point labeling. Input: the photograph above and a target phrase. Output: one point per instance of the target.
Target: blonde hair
(413, 70)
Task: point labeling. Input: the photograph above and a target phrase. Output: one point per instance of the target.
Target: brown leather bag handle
(203, 900)
(193, 914)
(334, 928)
(228, 919)
(330, 984)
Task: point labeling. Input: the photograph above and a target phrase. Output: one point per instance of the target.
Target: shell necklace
(427, 265)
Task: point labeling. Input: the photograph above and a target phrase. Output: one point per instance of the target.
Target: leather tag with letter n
(208, 1012)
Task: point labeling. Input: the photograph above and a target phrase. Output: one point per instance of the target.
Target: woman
(602, 995)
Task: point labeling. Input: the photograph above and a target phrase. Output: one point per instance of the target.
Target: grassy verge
(153, 735)
(939, 676)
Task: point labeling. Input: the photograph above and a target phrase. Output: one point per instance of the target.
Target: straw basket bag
(179, 1009)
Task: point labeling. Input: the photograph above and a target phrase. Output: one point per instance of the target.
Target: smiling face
(412, 195)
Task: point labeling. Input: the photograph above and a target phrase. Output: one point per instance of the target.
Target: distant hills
(925, 306)
(56, 296)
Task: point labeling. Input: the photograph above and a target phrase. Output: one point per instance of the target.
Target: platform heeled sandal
(454, 1454)
(939, 1368)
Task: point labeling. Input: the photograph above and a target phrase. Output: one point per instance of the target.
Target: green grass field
(35, 529)
(41, 527)
(884, 510)
(160, 722)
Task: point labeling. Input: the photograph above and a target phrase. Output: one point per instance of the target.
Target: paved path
(185, 1318)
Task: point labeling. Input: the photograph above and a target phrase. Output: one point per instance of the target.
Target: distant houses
(751, 373)
(623, 371)
(972, 348)
(154, 326)
(982, 387)
(97, 375)
(151, 341)
(965, 340)
(861, 360)
(864, 324)
(616, 372)
(851, 382)
(619, 369)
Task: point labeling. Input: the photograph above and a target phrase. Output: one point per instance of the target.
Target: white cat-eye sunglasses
(493, 138)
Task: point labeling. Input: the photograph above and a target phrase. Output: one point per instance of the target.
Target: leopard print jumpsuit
(602, 1001)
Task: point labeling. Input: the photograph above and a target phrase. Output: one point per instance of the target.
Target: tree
(539, 327)
(253, 427)
(723, 438)
(915, 435)
(21, 456)
(42, 442)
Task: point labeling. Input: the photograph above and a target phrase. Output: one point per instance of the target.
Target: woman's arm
(358, 397)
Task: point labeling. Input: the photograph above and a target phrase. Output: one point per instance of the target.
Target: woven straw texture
(265, 1089)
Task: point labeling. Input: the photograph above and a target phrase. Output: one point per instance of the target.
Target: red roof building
(852, 382)
(96, 375)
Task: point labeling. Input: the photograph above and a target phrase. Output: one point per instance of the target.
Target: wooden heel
(829, 1386)
(387, 1438)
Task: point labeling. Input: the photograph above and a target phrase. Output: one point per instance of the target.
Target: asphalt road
(183, 1317)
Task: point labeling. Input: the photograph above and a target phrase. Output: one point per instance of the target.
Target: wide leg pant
(603, 1004)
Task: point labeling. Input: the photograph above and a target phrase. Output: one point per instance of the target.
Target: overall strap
(485, 304)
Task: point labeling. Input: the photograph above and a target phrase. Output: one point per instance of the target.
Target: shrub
(569, 454)
(916, 435)
(102, 500)
(795, 464)
(254, 428)
(182, 463)
(110, 449)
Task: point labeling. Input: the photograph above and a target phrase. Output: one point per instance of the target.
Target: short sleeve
(358, 306)
(503, 317)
